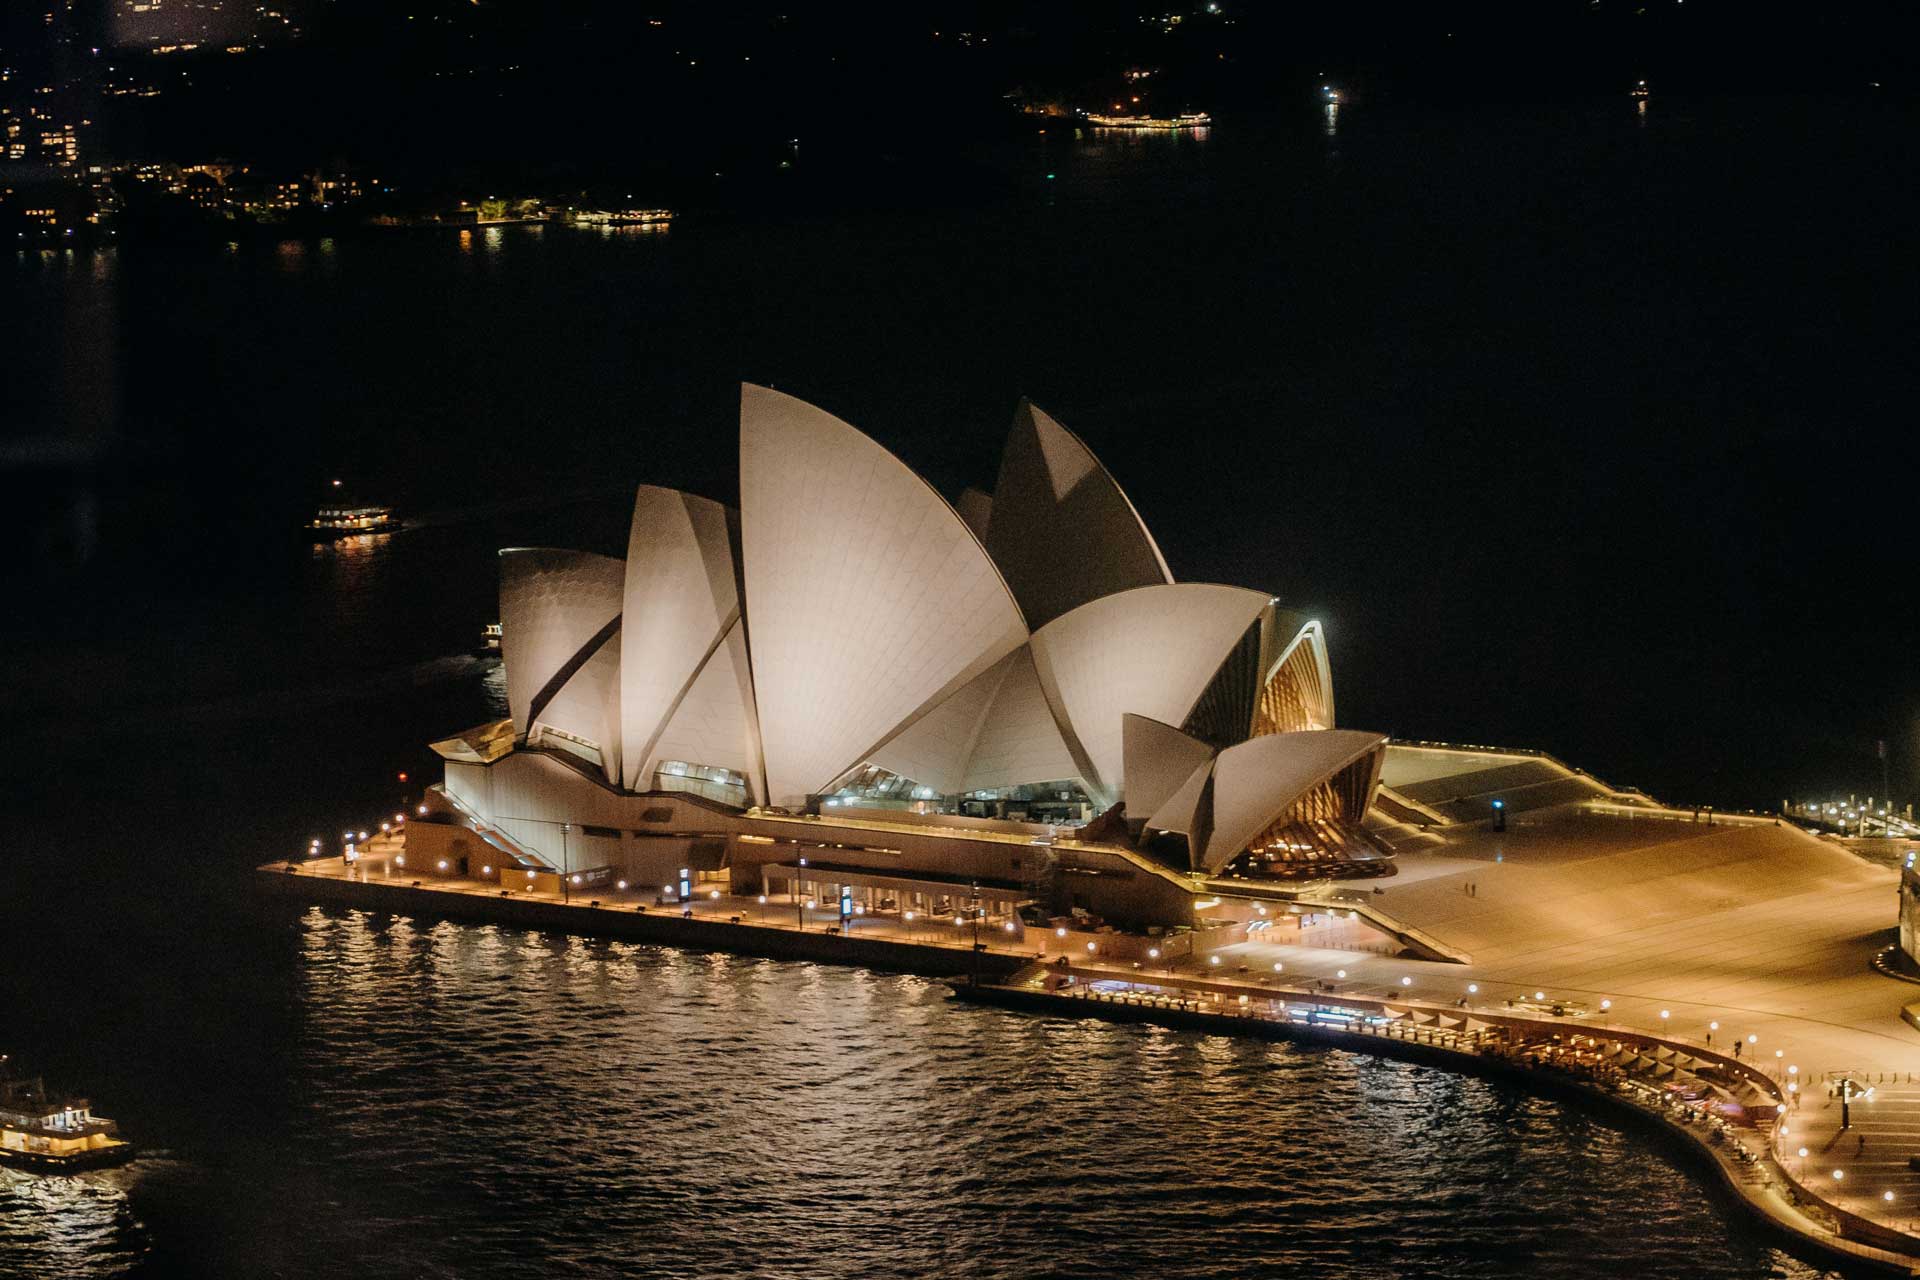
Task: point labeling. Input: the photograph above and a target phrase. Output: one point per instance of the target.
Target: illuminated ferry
(1188, 120)
(491, 636)
(47, 1134)
(346, 522)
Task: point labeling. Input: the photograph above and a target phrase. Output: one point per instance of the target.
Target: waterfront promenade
(1690, 936)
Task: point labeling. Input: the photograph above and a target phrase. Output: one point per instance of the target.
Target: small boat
(1640, 90)
(490, 637)
(47, 1133)
(346, 522)
(1187, 120)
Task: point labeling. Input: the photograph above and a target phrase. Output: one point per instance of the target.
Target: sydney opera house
(851, 680)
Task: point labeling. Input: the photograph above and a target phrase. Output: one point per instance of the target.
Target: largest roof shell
(868, 598)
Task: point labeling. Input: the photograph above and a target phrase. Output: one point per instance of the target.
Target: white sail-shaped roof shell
(587, 706)
(714, 723)
(1150, 651)
(681, 600)
(1061, 529)
(1159, 759)
(552, 603)
(1257, 780)
(998, 731)
(868, 598)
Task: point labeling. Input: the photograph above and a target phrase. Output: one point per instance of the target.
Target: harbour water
(330, 1094)
(469, 1101)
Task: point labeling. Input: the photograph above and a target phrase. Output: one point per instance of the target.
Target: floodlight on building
(1606, 1004)
(399, 859)
(1473, 988)
(1666, 1013)
(1713, 1026)
(1012, 927)
(1803, 1153)
(1779, 1053)
(1090, 948)
(1838, 1174)
(399, 817)
(1213, 959)
(441, 865)
(1793, 1070)
(1060, 932)
(1153, 953)
(1887, 1196)
(1278, 967)
(1406, 982)
(422, 809)
(1753, 1039)
(711, 893)
(909, 914)
(1539, 995)
(487, 870)
(1339, 973)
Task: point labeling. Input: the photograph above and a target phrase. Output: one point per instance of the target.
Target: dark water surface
(1462, 386)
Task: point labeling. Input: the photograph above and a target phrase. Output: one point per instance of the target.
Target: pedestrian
(1861, 1149)
(1736, 1047)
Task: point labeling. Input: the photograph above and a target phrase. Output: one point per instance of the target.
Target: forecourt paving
(1760, 928)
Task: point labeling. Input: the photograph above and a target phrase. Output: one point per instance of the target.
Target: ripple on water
(489, 1103)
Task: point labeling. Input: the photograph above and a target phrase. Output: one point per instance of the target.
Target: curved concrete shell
(1151, 651)
(586, 712)
(935, 749)
(713, 724)
(682, 597)
(996, 732)
(1256, 783)
(1159, 758)
(868, 598)
(1297, 693)
(1061, 529)
(556, 609)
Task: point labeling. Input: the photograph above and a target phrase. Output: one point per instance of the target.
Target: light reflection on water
(477, 1101)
